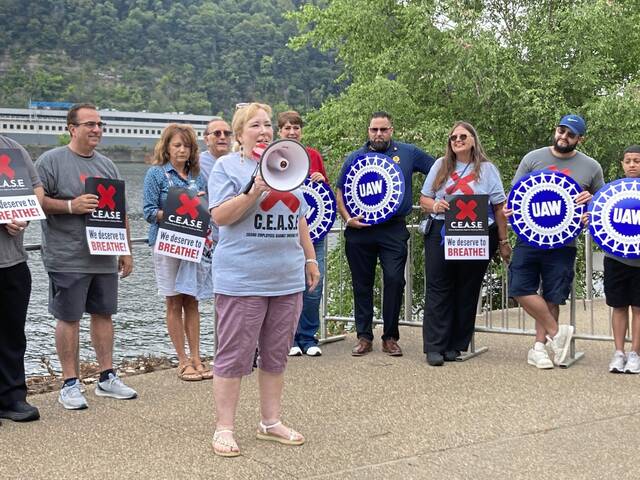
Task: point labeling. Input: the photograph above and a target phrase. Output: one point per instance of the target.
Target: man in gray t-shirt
(15, 290)
(553, 268)
(78, 281)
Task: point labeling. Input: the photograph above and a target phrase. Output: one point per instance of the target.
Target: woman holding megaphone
(262, 261)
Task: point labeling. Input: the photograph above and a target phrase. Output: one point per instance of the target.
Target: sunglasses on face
(219, 133)
(381, 130)
(462, 137)
(565, 130)
(91, 125)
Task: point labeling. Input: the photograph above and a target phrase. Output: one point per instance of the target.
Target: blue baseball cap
(575, 123)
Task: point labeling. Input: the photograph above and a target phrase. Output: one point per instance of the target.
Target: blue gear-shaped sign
(373, 188)
(615, 218)
(322, 208)
(545, 214)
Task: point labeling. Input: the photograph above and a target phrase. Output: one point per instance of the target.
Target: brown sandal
(205, 373)
(188, 374)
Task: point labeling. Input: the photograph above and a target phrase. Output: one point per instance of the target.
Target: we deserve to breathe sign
(466, 228)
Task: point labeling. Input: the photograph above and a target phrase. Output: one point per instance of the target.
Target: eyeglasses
(218, 133)
(564, 130)
(462, 137)
(91, 125)
(381, 130)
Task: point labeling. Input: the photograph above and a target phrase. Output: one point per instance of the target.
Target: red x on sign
(467, 210)
(461, 184)
(105, 197)
(5, 169)
(189, 206)
(288, 198)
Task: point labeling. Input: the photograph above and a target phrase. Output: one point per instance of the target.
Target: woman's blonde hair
(188, 135)
(242, 116)
(448, 164)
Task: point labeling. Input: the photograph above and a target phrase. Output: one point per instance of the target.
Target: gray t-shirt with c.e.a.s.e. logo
(64, 242)
(11, 247)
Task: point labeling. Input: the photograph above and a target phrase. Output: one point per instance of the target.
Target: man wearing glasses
(364, 244)
(217, 137)
(78, 281)
(554, 268)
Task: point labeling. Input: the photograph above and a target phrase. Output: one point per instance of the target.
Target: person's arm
(311, 267)
(349, 221)
(423, 161)
(81, 205)
(151, 194)
(232, 210)
(504, 247)
(125, 262)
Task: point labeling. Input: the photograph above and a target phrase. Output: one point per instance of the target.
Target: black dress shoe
(435, 359)
(451, 355)
(20, 411)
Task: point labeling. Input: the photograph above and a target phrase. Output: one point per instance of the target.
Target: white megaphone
(284, 165)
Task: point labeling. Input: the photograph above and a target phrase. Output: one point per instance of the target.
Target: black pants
(451, 296)
(387, 241)
(15, 290)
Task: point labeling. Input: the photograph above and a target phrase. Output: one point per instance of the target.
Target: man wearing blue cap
(531, 266)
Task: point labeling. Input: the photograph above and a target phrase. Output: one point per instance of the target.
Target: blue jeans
(310, 316)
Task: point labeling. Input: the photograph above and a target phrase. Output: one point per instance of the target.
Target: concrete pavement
(374, 417)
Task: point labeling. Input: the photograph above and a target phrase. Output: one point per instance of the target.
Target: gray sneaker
(633, 363)
(560, 343)
(617, 363)
(115, 388)
(71, 397)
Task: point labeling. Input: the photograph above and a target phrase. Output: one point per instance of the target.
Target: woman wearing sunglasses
(453, 286)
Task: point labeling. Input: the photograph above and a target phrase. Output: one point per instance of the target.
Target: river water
(140, 323)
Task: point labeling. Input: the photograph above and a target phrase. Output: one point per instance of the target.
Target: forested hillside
(196, 56)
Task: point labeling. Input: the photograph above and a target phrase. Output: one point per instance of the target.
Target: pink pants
(246, 322)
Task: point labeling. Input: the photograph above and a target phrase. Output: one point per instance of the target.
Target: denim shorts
(530, 267)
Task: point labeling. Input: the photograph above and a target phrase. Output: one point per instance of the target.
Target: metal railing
(505, 319)
(494, 315)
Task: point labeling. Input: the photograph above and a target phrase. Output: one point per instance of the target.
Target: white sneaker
(617, 363)
(313, 351)
(71, 397)
(560, 343)
(295, 352)
(633, 363)
(115, 388)
(539, 359)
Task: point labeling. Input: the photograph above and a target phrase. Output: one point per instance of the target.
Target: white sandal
(294, 437)
(217, 440)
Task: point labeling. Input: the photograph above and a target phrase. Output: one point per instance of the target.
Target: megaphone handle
(249, 185)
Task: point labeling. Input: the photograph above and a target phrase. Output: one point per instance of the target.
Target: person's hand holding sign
(15, 227)
(85, 203)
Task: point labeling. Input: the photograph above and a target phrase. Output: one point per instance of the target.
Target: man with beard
(217, 136)
(554, 268)
(364, 243)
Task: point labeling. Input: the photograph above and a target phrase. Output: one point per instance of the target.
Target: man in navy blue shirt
(387, 241)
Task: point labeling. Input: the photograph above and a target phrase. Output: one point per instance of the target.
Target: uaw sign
(373, 188)
(322, 208)
(614, 219)
(184, 225)
(466, 228)
(106, 228)
(545, 214)
(17, 200)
